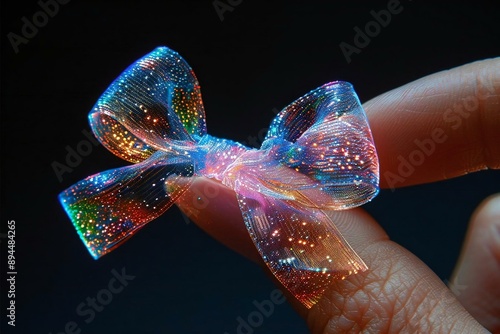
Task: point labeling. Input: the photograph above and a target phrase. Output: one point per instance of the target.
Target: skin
(399, 293)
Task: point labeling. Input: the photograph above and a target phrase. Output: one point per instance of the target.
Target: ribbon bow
(318, 155)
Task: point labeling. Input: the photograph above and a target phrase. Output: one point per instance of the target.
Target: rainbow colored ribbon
(318, 155)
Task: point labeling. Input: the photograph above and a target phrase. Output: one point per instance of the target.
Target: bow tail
(109, 207)
(301, 245)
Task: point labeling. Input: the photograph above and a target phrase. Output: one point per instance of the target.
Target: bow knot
(318, 155)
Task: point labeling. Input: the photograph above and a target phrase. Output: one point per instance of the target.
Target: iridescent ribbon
(318, 155)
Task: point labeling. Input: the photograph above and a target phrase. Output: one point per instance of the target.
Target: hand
(455, 117)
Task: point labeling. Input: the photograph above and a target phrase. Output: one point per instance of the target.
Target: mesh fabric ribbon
(318, 155)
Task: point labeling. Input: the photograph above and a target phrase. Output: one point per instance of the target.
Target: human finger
(476, 276)
(398, 292)
(441, 126)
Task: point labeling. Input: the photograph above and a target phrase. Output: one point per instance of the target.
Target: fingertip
(484, 227)
(489, 210)
(477, 273)
(438, 127)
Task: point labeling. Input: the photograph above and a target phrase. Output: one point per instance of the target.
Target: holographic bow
(318, 155)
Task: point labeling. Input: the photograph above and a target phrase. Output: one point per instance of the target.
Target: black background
(262, 56)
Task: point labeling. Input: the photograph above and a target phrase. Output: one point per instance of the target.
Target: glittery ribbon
(318, 155)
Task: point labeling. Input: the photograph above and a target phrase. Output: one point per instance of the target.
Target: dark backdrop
(261, 56)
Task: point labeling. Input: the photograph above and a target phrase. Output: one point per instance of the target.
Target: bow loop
(153, 105)
(325, 135)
